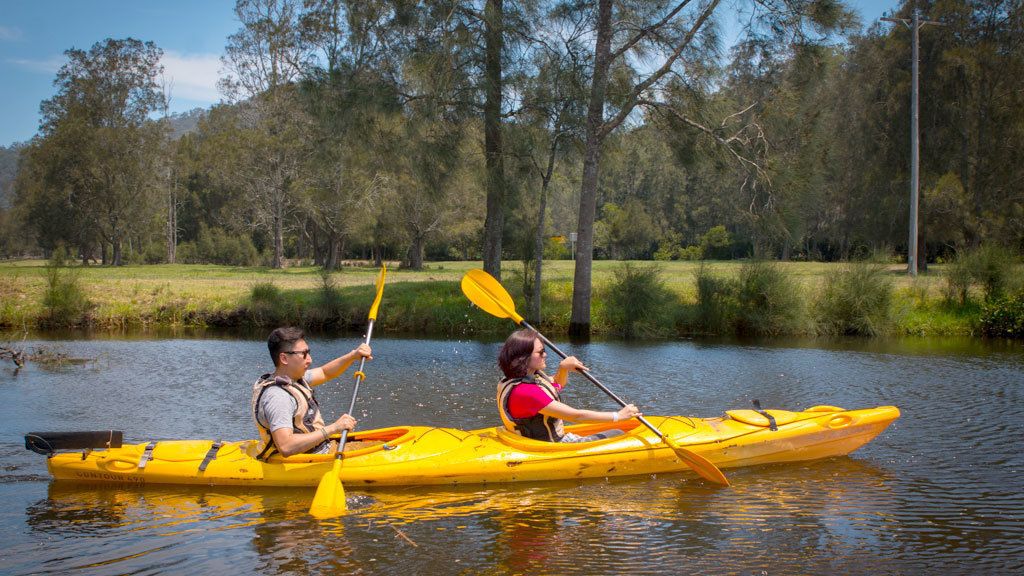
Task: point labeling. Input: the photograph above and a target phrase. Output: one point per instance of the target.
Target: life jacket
(538, 426)
(307, 411)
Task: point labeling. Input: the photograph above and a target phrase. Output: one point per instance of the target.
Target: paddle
(329, 500)
(483, 290)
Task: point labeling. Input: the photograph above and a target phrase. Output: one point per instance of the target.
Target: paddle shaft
(355, 390)
(593, 380)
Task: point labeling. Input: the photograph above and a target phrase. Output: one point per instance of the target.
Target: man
(286, 412)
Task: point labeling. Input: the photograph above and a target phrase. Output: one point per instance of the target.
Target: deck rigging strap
(211, 455)
(771, 419)
(147, 455)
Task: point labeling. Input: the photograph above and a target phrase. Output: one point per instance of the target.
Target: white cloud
(8, 34)
(192, 76)
(49, 65)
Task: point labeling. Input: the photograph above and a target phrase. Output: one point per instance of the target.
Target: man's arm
(289, 442)
(334, 368)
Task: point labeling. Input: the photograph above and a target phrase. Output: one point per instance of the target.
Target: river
(941, 490)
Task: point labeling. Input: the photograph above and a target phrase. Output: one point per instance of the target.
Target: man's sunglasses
(305, 353)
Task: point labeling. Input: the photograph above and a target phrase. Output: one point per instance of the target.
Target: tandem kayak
(421, 455)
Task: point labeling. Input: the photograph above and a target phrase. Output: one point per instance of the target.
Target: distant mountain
(186, 122)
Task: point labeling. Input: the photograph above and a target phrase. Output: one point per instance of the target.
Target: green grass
(415, 302)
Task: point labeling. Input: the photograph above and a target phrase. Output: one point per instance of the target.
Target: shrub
(557, 249)
(856, 301)
(217, 246)
(716, 302)
(992, 266)
(638, 303)
(768, 302)
(64, 299)
(715, 242)
(267, 305)
(958, 280)
(691, 253)
(330, 296)
(1004, 317)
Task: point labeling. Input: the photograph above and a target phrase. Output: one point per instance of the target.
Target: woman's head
(519, 356)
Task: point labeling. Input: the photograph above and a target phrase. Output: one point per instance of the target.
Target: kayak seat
(47, 443)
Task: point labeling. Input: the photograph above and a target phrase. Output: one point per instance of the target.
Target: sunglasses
(305, 353)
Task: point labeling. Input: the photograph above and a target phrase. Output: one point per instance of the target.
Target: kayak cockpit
(357, 444)
(511, 439)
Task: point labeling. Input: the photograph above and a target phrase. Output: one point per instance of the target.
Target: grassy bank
(423, 302)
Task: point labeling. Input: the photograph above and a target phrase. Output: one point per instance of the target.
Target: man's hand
(363, 351)
(346, 422)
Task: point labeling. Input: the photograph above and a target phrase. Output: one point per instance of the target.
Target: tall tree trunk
(494, 223)
(172, 219)
(116, 258)
(579, 321)
(538, 240)
(415, 254)
(332, 252)
(278, 261)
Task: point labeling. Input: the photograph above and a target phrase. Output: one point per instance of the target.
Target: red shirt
(527, 400)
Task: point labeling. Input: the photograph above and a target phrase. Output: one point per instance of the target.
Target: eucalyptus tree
(463, 52)
(348, 95)
(97, 127)
(424, 160)
(639, 45)
(264, 59)
(551, 121)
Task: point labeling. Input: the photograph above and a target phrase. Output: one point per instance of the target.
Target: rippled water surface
(941, 490)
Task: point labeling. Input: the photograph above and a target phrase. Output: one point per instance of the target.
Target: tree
(97, 125)
(678, 36)
(494, 225)
(265, 57)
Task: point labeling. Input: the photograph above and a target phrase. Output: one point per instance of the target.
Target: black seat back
(49, 442)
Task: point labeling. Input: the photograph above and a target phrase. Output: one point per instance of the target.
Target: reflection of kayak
(415, 455)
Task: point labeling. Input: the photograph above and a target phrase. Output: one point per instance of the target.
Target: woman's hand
(572, 364)
(628, 411)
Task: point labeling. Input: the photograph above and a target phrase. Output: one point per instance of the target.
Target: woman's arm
(569, 364)
(557, 409)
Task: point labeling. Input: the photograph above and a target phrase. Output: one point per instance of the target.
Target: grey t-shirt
(277, 408)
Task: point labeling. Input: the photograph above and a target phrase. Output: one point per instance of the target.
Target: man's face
(296, 361)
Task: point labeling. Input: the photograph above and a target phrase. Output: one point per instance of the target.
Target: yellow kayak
(421, 455)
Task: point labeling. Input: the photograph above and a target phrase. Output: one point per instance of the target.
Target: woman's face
(538, 359)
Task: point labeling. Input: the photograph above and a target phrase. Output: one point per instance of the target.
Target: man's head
(282, 341)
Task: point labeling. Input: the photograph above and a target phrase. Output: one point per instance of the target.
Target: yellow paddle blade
(487, 293)
(380, 292)
(329, 500)
(699, 464)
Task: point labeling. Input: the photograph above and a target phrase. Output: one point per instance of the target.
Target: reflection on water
(941, 488)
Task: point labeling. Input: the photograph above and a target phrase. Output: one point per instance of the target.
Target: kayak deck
(420, 455)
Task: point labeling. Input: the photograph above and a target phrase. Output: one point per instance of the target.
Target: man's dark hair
(282, 340)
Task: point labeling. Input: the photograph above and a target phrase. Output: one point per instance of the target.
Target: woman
(529, 401)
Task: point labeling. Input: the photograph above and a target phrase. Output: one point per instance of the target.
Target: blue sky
(34, 35)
